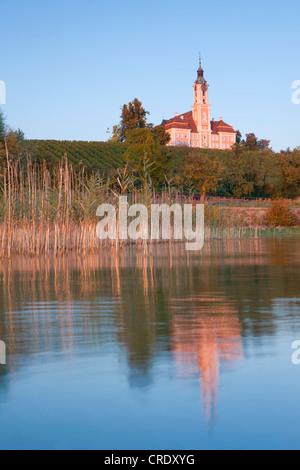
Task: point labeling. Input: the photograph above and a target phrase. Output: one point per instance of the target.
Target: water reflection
(159, 305)
(207, 333)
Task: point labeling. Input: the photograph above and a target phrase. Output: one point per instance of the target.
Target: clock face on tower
(204, 87)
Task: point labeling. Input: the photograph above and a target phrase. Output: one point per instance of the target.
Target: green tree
(290, 173)
(3, 126)
(133, 116)
(264, 144)
(239, 137)
(203, 170)
(251, 142)
(160, 135)
(144, 153)
(116, 134)
(141, 144)
(262, 170)
(235, 182)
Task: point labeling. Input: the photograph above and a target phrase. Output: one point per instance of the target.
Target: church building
(195, 128)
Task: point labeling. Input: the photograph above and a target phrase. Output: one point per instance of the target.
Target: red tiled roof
(183, 121)
(221, 126)
(186, 121)
(177, 125)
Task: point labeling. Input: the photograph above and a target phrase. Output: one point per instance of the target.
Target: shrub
(213, 216)
(281, 215)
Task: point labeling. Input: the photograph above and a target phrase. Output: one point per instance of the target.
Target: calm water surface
(166, 351)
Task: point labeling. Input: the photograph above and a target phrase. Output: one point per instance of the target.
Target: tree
(261, 169)
(116, 135)
(235, 182)
(143, 153)
(251, 142)
(141, 145)
(13, 140)
(161, 136)
(133, 116)
(239, 137)
(204, 171)
(290, 173)
(264, 144)
(3, 126)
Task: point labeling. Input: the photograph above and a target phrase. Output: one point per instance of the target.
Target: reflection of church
(203, 341)
(195, 128)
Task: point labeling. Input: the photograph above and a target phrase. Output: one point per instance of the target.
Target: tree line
(250, 169)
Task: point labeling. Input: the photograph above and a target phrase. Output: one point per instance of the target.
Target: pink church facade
(195, 128)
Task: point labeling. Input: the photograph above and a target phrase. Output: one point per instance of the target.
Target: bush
(213, 216)
(281, 215)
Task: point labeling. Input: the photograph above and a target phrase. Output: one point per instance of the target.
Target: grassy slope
(101, 155)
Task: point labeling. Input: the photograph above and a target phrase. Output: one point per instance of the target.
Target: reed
(45, 211)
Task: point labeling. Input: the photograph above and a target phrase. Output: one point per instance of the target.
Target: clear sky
(69, 65)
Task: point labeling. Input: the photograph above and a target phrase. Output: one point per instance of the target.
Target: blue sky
(70, 65)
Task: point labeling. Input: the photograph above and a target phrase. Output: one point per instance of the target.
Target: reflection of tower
(211, 334)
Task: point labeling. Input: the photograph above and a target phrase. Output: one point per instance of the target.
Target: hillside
(91, 154)
(100, 155)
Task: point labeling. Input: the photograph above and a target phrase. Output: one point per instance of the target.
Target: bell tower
(201, 108)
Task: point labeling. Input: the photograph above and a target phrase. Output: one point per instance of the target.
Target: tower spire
(200, 73)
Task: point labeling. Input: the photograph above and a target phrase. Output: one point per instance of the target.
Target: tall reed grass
(45, 211)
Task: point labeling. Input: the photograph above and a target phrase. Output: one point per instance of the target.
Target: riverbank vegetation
(50, 191)
(46, 210)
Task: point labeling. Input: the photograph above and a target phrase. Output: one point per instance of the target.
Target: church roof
(186, 121)
(221, 126)
(182, 121)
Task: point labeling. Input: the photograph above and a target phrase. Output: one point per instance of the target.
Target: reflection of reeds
(49, 302)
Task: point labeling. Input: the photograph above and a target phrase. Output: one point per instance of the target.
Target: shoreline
(54, 240)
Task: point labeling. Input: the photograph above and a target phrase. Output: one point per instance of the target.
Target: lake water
(172, 350)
